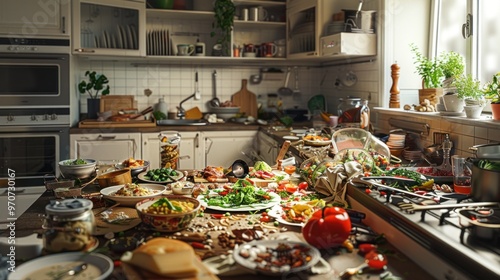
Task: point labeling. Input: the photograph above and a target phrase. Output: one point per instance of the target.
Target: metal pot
(485, 184)
(486, 151)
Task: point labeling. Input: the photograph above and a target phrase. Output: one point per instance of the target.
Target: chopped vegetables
(242, 193)
(160, 174)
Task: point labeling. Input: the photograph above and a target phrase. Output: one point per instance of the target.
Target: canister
(354, 112)
(68, 226)
(169, 149)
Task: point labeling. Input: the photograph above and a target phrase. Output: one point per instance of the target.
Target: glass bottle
(354, 112)
(169, 149)
(446, 146)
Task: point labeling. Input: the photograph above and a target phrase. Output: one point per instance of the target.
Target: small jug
(268, 49)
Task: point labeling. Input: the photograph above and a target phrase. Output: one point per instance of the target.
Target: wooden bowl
(113, 178)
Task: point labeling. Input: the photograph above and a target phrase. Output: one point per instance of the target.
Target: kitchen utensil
(417, 207)
(346, 274)
(143, 112)
(246, 100)
(367, 181)
(74, 271)
(196, 93)
(281, 154)
(215, 102)
(285, 90)
(296, 90)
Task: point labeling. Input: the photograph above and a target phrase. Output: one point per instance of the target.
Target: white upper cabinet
(109, 28)
(34, 18)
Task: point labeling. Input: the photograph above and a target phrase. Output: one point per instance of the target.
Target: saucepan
(483, 221)
(485, 183)
(486, 151)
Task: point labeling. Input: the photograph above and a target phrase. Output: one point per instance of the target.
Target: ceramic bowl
(80, 171)
(167, 222)
(110, 193)
(113, 178)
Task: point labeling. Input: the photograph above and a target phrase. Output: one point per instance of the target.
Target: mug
(185, 49)
(253, 14)
(244, 14)
(262, 13)
(249, 50)
(268, 49)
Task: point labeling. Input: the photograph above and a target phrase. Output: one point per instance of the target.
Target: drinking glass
(461, 174)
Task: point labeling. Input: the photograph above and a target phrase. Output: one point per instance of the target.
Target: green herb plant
(492, 89)
(429, 69)
(452, 63)
(97, 83)
(225, 11)
(469, 88)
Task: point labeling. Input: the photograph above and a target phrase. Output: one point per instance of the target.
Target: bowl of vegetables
(168, 213)
(161, 175)
(77, 168)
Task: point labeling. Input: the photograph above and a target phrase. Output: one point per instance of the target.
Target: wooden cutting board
(115, 103)
(246, 100)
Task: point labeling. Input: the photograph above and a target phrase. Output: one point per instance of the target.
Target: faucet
(181, 113)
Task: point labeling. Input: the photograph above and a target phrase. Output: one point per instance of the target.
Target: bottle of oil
(446, 146)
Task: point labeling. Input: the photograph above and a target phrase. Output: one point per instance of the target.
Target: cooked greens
(242, 193)
(161, 174)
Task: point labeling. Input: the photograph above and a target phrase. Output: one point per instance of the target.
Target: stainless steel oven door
(31, 153)
(35, 80)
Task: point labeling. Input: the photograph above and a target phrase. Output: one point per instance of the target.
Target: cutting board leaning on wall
(246, 100)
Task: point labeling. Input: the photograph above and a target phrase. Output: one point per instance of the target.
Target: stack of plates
(335, 27)
(396, 141)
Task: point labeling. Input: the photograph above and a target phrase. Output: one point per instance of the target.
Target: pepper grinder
(446, 146)
(394, 99)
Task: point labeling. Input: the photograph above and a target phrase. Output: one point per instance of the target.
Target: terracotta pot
(495, 110)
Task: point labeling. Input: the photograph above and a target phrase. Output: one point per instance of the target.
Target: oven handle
(38, 57)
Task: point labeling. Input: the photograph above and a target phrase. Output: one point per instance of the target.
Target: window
(480, 49)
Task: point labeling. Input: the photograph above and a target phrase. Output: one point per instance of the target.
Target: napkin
(333, 184)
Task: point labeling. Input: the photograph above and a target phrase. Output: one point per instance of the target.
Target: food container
(113, 178)
(169, 149)
(68, 226)
(80, 171)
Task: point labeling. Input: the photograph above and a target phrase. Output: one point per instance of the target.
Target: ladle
(214, 102)
(285, 90)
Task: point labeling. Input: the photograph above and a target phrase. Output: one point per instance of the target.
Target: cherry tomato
(117, 263)
(366, 248)
(375, 260)
(265, 218)
(291, 188)
(303, 186)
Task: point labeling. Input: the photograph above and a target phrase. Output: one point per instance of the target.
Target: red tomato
(327, 227)
(281, 187)
(291, 188)
(303, 185)
(265, 219)
(365, 248)
(375, 260)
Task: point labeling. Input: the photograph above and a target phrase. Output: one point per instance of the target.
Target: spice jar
(354, 112)
(69, 225)
(169, 149)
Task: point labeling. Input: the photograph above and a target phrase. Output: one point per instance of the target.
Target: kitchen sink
(181, 122)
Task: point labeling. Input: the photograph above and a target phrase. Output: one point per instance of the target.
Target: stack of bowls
(225, 113)
(396, 144)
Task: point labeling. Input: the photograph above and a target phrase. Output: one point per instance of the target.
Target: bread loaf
(166, 257)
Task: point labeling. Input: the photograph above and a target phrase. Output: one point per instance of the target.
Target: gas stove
(434, 239)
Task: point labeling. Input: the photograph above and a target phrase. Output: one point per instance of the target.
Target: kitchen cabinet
(189, 150)
(106, 147)
(267, 147)
(109, 28)
(29, 18)
(222, 148)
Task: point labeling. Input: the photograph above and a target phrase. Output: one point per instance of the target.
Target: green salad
(77, 161)
(242, 193)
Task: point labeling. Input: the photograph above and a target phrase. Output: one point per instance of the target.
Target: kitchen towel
(334, 184)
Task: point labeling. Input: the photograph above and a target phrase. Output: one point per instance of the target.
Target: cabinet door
(28, 18)
(267, 148)
(191, 154)
(222, 148)
(106, 147)
(151, 149)
(111, 27)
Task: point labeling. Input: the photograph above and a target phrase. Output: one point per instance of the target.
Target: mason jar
(169, 149)
(69, 225)
(354, 112)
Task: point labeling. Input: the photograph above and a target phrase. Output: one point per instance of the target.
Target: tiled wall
(464, 132)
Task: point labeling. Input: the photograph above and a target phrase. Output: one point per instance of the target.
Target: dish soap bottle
(446, 146)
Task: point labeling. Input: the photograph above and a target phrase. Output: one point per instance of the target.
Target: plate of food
(161, 175)
(295, 213)
(316, 140)
(241, 196)
(56, 266)
(131, 193)
(266, 257)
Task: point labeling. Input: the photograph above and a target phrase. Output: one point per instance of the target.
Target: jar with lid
(354, 112)
(69, 225)
(169, 149)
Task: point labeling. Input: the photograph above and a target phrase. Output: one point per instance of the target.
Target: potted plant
(96, 84)
(492, 93)
(431, 73)
(469, 90)
(225, 11)
(453, 65)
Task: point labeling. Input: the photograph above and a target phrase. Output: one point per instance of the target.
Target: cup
(185, 49)
(244, 14)
(262, 14)
(461, 174)
(268, 49)
(249, 50)
(334, 121)
(253, 14)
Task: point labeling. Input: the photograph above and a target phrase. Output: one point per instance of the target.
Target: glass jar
(69, 225)
(169, 149)
(354, 112)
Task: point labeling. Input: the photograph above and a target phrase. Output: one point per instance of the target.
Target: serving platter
(108, 220)
(275, 200)
(130, 201)
(143, 177)
(100, 266)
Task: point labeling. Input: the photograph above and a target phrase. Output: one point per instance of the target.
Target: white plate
(277, 211)
(119, 37)
(299, 131)
(134, 36)
(131, 200)
(130, 37)
(142, 177)
(289, 137)
(124, 37)
(103, 263)
(264, 245)
(275, 200)
(104, 42)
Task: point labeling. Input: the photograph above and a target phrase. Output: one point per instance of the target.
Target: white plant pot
(473, 111)
(452, 103)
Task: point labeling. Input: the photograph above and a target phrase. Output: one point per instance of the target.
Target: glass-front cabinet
(111, 27)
